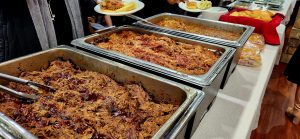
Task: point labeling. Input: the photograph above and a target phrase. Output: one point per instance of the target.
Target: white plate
(140, 5)
(182, 5)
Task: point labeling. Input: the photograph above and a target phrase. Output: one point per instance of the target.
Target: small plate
(140, 5)
(182, 5)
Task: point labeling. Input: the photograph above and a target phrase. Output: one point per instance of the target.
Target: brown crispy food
(111, 4)
(86, 105)
(191, 5)
(182, 57)
(198, 29)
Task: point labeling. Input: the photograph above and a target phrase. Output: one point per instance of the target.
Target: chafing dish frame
(244, 30)
(206, 79)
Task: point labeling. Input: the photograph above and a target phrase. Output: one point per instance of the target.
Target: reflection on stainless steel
(13, 128)
(105, 29)
(161, 89)
(139, 19)
(5, 134)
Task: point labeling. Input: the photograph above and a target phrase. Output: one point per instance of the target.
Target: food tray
(87, 43)
(182, 127)
(245, 31)
(159, 88)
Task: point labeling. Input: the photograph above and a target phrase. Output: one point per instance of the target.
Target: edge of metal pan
(190, 92)
(14, 128)
(187, 115)
(238, 43)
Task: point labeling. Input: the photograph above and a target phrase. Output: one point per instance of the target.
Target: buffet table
(235, 112)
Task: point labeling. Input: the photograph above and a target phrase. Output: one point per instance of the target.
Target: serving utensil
(140, 19)
(31, 84)
(18, 94)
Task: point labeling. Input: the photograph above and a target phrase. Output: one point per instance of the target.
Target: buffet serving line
(157, 78)
(287, 10)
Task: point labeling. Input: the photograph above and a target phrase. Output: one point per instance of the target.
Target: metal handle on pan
(187, 115)
(12, 78)
(18, 94)
(11, 124)
(219, 66)
(4, 134)
(245, 36)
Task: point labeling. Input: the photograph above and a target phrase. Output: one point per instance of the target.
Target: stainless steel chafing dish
(209, 82)
(245, 32)
(183, 128)
(88, 43)
(159, 88)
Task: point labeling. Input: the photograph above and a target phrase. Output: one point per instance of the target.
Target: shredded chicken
(199, 29)
(182, 57)
(86, 104)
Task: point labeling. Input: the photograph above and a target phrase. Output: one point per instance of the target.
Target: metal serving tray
(245, 31)
(181, 128)
(161, 89)
(206, 79)
(215, 75)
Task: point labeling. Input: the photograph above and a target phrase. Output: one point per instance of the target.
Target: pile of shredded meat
(111, 4)
(85, 104)
(199, 29)
(182, 57)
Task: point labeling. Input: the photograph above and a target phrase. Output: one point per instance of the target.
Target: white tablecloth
(236, 110)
